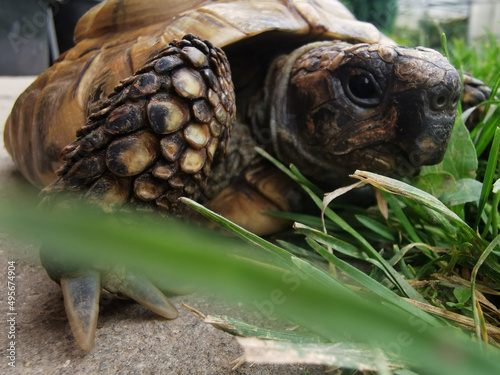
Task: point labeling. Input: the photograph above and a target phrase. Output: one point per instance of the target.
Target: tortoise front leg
(260, 187)
(474, 93)
(154, 140)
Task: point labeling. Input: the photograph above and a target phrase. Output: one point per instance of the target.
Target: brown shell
(117, 37)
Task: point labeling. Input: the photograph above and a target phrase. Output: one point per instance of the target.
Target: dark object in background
(34, 32)
(382, 13)
(24, 39)
(66, 15)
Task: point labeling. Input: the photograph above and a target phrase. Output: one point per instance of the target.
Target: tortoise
(170, 98)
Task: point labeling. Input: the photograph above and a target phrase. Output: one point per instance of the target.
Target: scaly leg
(154, 140)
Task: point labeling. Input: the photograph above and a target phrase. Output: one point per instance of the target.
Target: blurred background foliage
(472, 28)
(382, 13)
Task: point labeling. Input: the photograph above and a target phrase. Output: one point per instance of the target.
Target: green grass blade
(372, 285)
(310, 220)
(492, 98)
(488, 133)
(377, 259)
(402, 218)
(489, 175)
(444, 44)
(377, 227)
(293, 172)
(426, 200)
(236, 229)
(239, 327)
(482, 259)
(307, 269)
(342, 247)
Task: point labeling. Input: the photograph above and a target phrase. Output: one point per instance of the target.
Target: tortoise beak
(429, 148)
(426, 119)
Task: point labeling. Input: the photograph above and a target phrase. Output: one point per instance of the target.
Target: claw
(81, 291)
(81, 300)
(144, 292)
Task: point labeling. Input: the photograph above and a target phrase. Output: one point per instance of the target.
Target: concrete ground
(129, 339)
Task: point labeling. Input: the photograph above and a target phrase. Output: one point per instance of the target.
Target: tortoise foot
(475, 92)
(81, 286)
(81, 292)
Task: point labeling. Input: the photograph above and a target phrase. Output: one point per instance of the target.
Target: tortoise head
(337, 107)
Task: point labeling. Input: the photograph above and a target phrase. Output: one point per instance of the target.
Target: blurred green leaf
(460, 159)
(436, 183)
(346, 355)
(166, 250)
(462, 294)
(467, 190)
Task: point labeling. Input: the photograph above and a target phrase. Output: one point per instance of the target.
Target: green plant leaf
(426, 200)
(341, 246)
(462, 294)
(436, 183)
(460, 159)
(467, 190)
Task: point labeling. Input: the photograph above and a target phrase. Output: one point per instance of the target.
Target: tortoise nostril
(443, 102)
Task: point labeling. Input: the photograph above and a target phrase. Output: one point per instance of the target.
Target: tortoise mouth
(388, 159)
(392, 160)
(384, 158)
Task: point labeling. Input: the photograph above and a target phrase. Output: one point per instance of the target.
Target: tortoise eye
(363, 89)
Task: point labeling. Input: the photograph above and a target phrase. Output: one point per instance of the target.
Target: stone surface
(129, 338)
